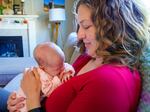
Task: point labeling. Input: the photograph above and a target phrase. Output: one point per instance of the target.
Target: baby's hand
(66, 75)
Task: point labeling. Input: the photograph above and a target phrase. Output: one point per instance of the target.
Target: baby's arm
(67, 73)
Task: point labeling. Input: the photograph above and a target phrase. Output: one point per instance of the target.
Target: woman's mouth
(87, 44)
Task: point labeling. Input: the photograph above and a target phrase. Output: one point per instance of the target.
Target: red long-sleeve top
(107, 88)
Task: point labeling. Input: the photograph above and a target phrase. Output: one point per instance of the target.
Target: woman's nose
(81, 33)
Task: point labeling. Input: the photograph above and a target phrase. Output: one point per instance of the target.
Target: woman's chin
(92, 54)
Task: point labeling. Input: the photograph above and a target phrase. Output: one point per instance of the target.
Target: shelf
(19, 16)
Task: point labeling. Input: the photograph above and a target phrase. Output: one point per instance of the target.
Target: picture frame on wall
(56, 3)
(7, 3)
(11, 7)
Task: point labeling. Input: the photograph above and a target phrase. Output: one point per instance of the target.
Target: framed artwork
(57, 3)
(7, 3)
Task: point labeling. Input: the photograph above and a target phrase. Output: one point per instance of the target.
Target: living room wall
(36, 7)
(43, 32)
(69, 17)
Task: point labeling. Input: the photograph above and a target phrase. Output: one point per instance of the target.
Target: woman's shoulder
(116, 72)
(112, 68)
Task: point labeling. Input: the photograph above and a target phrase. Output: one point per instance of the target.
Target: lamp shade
(56, 14)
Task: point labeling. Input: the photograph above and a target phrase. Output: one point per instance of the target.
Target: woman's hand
(31, 86)
(14, 103)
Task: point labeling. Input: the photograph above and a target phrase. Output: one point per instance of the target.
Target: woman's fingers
(10, 98)
(36, 74)
(14, 103)
(15, 108)
(11, 108)
(11, 103)
(31, 73)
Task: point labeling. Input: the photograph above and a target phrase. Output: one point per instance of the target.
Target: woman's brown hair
(121, 30)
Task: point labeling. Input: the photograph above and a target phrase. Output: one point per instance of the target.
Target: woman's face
(87, 30)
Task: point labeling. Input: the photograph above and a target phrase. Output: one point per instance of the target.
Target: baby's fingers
(66, 78)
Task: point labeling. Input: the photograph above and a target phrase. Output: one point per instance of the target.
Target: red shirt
(107, 88)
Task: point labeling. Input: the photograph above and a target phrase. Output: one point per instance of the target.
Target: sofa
(10, 67)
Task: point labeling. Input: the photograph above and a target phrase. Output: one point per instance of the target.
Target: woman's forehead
(83, 14)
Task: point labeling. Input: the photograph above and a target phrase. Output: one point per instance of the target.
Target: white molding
(13, 26)
(19, 16)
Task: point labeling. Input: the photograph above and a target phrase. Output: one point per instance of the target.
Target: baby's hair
(59, 50)
(51, 46)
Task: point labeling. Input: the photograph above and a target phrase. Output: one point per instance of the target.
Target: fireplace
(17, 35)
(14, 43)
(11, 46)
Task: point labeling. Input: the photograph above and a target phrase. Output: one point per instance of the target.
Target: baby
(52, 69)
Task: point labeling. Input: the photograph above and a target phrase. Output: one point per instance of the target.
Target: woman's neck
(91, 65)
(97, 61)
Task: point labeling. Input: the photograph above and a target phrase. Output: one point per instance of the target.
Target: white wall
(36, 7)
(43, 33)
(67, 26)
(69, 17)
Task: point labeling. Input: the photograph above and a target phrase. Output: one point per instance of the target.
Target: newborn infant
(52, 69)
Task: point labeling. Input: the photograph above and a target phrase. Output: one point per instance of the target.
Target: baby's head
(49, 57)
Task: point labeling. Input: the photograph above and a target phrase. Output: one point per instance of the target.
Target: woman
(112, 34)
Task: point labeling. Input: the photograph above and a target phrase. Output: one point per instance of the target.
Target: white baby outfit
(49, 83)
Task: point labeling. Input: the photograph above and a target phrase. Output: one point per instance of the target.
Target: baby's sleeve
(69, 68)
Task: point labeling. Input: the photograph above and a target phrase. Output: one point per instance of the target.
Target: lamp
(22, 7)
(56, 15)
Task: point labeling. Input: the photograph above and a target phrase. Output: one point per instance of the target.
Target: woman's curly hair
(121, 30)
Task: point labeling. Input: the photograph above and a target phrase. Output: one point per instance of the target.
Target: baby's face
(52, 69)
(50, 60)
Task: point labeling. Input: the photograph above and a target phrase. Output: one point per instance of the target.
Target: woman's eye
(87, 26)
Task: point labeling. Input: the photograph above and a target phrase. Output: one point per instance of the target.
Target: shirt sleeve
(39, 109)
